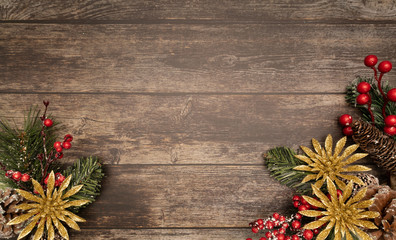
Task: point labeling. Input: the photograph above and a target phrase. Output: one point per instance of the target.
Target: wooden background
(181, 98)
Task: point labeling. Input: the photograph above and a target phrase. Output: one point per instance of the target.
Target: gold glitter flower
(324, 163)
(48, 209)
(344, 213)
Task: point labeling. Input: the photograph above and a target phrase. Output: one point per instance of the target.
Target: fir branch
(88, 172)
(281, 161)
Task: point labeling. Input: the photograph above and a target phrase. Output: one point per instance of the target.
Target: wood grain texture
(227, 10)
(185, 58)
(185, 129)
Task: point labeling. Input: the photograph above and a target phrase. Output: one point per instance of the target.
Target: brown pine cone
(384, 203)
(9, 198)
(368, 180)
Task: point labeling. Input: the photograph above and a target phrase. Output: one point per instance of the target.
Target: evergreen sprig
(281, 161)
(376, 98)
(89, 173)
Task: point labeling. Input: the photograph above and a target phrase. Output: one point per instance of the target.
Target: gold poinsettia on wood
(344, 214)
(324, 163)
(48, 209)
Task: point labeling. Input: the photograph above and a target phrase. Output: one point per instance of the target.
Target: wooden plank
(185, 58)
(227, 10)
(185, 129)
(158, 196)
(163, 234)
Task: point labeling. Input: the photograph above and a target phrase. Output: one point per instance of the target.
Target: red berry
(255, 229)
(249, 239)
(302, 208)
(57, 183)
(288, 238)
(296, 204)
(269, 225)
(282, 218)
(9, 173)
(385, 66)
(262, 238)
(285, 225)
(347, 131)
(275, 232)
(48, 122)
(392, 95)
(282, 230)
(260, 221)
(276, 216)
(16, 175)
(370, 60)
(339, 193)
(363, 87)
(316, 231)
(345, 120)
(57, 144)
(46, 180)
(308, 234)
(303, 201)
(261, 226)
(59, 149)
(390, 130)
(59, 155)
(277, 223)
(363, 99)
(296, 224)
(35, 192)
(25, 177)
(268, 234)
(295, 237)
(298, 216)
(66, 145)
(281, 236)
(68, 138)
(296, 198)
(390, 120)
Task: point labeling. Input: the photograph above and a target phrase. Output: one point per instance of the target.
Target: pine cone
(384, 203)
(9, 198)
(378, 145)
(368, 180)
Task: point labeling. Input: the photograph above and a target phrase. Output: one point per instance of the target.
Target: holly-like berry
(9, 173)
(285, 225)
(288, 238)
(303, 201)
(281, 236)
(370, 60)
(296, 224)
(390, 130)
(345, 120)
(255, 229)
(295, 237)
(276, 216)
(269, 225)
(57, 144)
(262, 238)
(390, 120)
(339, 193)
(302, 208)
(260, 221)
(59, 155)
(296, 204)
(59, 149)
(68, 138)
(282, 218)
(16, 175)
(363, 87)
(268, 234)
(308, 234)
(296, 198)
(347, 131)
(363, 99)
(392, 95)
(46, 180)
(316, 231)
(385, 66)
(261, 226)
(298, 216)
(282, 230)
(66, 145)
(25, 177)
(48, 122)
(249, 239)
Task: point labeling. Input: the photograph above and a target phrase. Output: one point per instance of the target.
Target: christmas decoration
(48, 209)
(324, 163)
(384, 202)
(367, 179)
(9, 198)
(345, 214)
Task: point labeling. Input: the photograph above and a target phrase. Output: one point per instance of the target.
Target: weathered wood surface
(189, 58)
(228, 10)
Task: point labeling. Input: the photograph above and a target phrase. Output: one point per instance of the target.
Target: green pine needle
(281, 161)
(88, 172)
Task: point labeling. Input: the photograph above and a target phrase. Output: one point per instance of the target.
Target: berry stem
(382, 93)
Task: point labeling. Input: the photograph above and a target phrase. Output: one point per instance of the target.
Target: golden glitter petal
(304, 158)
(358, 196)
(21, 218)
(28, 228)
(73, 216)
(29, 196)
(320, 195)
(337, 236)
(340, 183)
(349, 150)
(76, 203)
(309, 152)
(65, 184)
(319, 183)
(363, 204)
(337, 227)
(314, 202)
(348, 235)
(332, 189)
(367, 214)
(316, 146)
(353, 158)
(347, 191)
(50, 229)
(339, 146)
(27, 206)
(50, 184)
(311, 213)
(61, 229)
(365, 224)
(40, 230)
(303, 168)
(362, 235)
(356, 168)
(37, 186)
(323, 234)
(308, 178)
(314, 224)
(72, 191)
(72, 224)
(59, 216)
(329, 145)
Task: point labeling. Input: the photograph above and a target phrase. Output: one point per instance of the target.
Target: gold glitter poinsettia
(344, 213)
(48, 209)
(325, 163)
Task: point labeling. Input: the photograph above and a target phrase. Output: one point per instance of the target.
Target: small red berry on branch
(57, 144)
(25, 177)
(363, 99)
(392, 95)
(347, 131)
(48, 122)
(308, 234)
(68, 138)
(66, 145)
(363, 87)
(345, 120)
(16, 176)
(390, 121)
(390, 130)
(370, 60)
(385, 66)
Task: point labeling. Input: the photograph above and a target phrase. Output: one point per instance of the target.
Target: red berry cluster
(279, 227)
(59, 178)
(17, 176)
(346, 120)
(66, 144)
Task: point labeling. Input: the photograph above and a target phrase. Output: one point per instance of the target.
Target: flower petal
(317, 146)
(29, 227)
(72, 191)
(50, 229)
(329, 145)
(50, 184)
(356, 168)
(353, 158)
(303, 168)
(314, 202)
(20, 219)
(323, 234)
(73, 216)
(311, 213)
(37, 186)
(308, 178)
(304, 158)
(65, 184)
(339, 146)
(40, 230)
(76, 203)
(29, 196)
(314, 224)
(72, 224)
(349, 150)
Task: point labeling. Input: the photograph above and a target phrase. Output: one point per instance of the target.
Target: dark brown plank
(158, 196)
(179, 58)
(228, 10)
(185, 129)
(163, 234)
